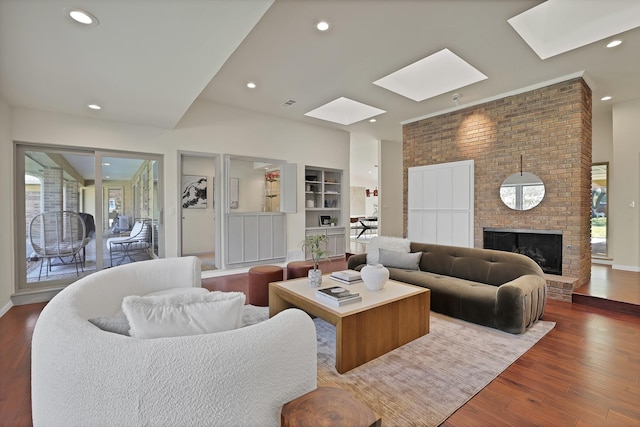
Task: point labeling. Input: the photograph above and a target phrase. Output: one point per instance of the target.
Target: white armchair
(84, 376)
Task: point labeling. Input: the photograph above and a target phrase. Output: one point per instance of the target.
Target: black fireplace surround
(543, 246)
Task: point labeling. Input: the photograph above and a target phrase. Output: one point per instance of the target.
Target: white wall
(198, 225)
(6, 210)
(250, 186)
(391, 191)
(602, 137)
(625, 187)
(207, 128)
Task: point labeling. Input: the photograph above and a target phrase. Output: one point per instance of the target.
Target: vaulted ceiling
(146, 62)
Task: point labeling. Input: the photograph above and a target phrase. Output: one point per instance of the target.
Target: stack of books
(346, 276)
(337, 296)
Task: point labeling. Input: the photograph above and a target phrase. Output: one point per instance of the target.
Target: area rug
(425, 381)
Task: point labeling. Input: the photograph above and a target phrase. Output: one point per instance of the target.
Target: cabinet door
(336, 241)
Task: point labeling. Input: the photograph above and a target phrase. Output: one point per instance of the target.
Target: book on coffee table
(337, 296)
(336, 293)
(325, 299)
(346, 276)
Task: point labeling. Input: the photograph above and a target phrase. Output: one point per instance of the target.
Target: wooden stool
(325, 407)
(296, 269)
(259, 279)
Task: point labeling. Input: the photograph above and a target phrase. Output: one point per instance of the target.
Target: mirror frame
(519, 181)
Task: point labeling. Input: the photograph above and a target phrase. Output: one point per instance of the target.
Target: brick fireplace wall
(551, 128)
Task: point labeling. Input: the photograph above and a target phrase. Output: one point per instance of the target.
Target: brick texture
(551, 128)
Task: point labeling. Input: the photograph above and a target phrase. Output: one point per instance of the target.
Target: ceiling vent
(288, 103)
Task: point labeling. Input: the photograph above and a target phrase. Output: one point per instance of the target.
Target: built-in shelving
(323, 200)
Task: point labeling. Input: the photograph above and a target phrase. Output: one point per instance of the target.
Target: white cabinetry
(336, 241)
(253, 237)
(440, 204)
(323, 203)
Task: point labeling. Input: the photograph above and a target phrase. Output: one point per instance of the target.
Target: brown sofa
(502, 290)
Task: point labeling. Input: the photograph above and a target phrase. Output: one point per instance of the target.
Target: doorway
(199, 196)
(599, 211)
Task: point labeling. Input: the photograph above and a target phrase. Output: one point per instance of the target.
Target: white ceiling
(148, 61)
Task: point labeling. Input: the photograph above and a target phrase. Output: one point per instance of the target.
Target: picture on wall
(194, 192)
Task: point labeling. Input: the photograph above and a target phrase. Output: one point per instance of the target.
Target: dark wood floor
(585, 372)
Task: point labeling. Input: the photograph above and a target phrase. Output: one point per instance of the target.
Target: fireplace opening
(543, 246)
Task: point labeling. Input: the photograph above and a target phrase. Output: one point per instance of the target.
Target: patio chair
(59, 234)
(138, 240)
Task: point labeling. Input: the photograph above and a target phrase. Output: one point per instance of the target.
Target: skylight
(434, 75)
(558, 26)
(344, 111)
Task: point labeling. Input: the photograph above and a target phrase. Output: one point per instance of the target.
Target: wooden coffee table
(384, 320)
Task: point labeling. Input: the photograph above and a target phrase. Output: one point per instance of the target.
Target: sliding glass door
(83, 211)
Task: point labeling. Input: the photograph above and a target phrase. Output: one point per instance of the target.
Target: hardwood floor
(585, 372)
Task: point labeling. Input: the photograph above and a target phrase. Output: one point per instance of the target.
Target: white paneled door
(440, 204)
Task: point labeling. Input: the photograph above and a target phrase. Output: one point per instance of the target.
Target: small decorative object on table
(316, 244)
(374, 276)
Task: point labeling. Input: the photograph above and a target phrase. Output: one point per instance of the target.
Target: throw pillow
(406, 261)
(179, 291)
(115, 324)
(397, 244)
(183, 314)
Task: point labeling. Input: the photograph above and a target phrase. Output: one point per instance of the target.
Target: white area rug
(425, 381)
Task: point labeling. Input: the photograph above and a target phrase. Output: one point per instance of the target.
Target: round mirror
(522, 191)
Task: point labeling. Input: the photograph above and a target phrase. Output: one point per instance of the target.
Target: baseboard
(602, 261)
(33, 297)
(6, 308)
(633, 268)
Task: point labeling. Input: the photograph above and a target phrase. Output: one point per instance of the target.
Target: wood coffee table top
(382, 321)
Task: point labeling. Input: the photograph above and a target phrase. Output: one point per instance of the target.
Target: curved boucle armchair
(84, 376)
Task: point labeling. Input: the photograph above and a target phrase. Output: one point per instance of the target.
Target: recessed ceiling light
(323, 26)
(372, 120)
(614, 43)
(605, 98)
(94, 107)
(251, 85)
(83, 17)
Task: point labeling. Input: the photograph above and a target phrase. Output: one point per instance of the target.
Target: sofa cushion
(407, 261)
(397, 244)
(183, 314)
(115, 324)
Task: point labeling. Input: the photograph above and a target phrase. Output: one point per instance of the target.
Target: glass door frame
(20, 226)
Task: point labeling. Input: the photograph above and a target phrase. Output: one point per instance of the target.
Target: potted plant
(316, 244)
(334, 221)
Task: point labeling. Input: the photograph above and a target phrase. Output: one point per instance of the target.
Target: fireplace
(543, 246)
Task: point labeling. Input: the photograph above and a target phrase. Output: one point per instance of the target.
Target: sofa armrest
(357, 261)
(520, 303)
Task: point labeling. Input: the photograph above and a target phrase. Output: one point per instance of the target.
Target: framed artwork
(325, 220)
(194, 192)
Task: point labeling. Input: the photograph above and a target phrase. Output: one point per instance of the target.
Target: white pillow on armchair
(183, 314)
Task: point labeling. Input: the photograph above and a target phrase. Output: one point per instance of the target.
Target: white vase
(315, 278)
(374, 276)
